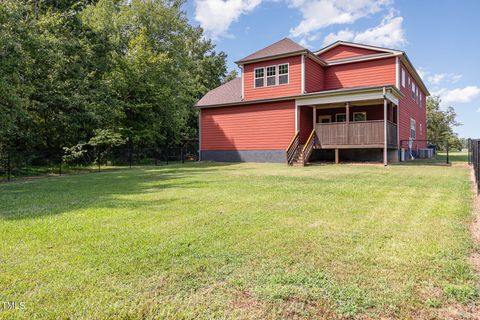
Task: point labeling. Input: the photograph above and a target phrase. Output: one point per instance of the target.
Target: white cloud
(438, 78)
(216, 16)
(459, 95)
(478, 110)
(388, 33)
(318, 14)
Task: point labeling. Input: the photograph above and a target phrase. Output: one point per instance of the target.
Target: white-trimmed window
(421, 130)
(413, 129)
(324, 119)
(340, 117)
(359, 116)
(271, 76)
(420, 96)
(413, 91)
(283, 73)
(403, 77)
(259, 77)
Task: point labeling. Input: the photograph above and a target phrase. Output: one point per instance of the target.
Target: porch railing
(292, 147)
(360, 134)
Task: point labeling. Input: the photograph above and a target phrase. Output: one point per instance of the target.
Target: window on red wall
(413, 129)
(259, 77)
(283, 74)
(271, 76)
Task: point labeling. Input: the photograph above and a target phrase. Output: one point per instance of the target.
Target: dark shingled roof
(229, 92)
(284, 46)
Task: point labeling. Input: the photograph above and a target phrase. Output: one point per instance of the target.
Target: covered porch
(345, 121)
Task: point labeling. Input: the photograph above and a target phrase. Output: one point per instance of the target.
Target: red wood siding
(294, 86)
(306, 123)
(314, 76)
(366, 73)
(411, 108)
(342, 51)
(266, 126)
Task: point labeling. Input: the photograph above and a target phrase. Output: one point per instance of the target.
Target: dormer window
(259, 77)
(283, 74)
(271, 76)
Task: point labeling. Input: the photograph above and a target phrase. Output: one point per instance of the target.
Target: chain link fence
(20, 163)
(474, 159)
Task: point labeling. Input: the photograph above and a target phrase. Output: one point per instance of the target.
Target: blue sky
(439, 36)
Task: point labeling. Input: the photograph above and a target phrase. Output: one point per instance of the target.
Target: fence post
(182, 154)
(448, 160)
(9, 169)
(60, 169)
(478, 166)
(130, 157)
(469, 141)
(98, 160)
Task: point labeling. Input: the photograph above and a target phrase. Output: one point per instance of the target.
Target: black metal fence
(21, 163)
(474, 159)
(423, 149)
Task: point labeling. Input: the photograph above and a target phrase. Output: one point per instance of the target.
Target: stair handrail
(292, 147)
(308, 148)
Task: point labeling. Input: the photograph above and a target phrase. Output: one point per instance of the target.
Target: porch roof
(319, 97)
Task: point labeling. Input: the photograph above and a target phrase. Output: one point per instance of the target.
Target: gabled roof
(357, 45)
(383, 53)
(230, 92)
(283, 47)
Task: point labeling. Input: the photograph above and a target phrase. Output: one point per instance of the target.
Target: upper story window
(413, 91)
(271, 76)
(420, 96)
(283, 73)
(403, 77)
(413, 129)
(259, 77)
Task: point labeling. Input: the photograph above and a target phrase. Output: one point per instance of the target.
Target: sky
(441, 37)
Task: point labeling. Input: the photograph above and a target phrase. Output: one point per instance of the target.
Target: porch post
(314, 116)
(385, 143)
(347, 113)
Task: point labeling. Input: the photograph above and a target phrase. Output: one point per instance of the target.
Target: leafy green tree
(440, 123)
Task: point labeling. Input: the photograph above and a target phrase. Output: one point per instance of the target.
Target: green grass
(234, 241)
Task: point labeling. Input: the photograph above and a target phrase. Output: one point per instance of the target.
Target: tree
(230, 76)
(440, 123)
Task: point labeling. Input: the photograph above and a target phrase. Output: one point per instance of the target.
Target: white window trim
(320, 117)
(360, 112)
(403, 77)
(266, 75)
(288, 74)
(255, 77)
(340, 114)
(414, 122)
(277, 75)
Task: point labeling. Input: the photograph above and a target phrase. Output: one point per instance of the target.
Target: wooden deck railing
(359, 134)
(292, 147)
(308, 148)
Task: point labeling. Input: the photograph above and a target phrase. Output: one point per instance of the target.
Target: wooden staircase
(298, 154)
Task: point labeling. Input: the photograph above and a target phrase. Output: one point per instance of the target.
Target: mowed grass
(228, 241)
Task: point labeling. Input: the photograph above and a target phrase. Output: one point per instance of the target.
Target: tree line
(74, 72)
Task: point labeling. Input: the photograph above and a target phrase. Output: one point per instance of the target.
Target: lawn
(232, 241)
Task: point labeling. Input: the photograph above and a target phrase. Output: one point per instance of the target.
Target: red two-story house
(346, 101)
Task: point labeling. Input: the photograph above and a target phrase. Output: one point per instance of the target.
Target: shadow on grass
(31, 199)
